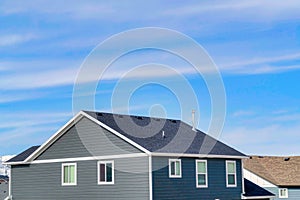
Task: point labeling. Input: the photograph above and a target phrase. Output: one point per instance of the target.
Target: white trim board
(258, 197)
(177, 155)
(133, 155)
(254, 178)
(68, 125)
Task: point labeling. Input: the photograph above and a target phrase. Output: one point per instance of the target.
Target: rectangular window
(230, 173)
(69, 174)
(201, 173)
(174, 168)
(283, 193)
(105, 172)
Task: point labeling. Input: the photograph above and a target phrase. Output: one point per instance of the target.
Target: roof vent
(250, 157)
(260, 157)
(139, 118)
(163, 134)
(286, 159)
(193, 120)
(99, 114)
(173, 121)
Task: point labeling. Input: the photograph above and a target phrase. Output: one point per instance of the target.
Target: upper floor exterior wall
(185, 187)
(44, 181)
(86, 139)
(293, 193)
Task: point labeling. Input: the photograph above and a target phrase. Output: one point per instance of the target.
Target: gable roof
(179, 138)
(281, 171)
(22, 156)
(254, 191)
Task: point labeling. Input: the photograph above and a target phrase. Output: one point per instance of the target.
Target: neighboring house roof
(281, 171)
(25, 154)
(254, 191)
(159, 136)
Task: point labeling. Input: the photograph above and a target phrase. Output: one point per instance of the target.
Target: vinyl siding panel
(3, 190)
(185, 187)
(43, 181)
(85, 139)
(293, 193)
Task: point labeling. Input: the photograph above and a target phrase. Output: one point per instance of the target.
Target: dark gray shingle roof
(179, 136)
(253, 190)
(25, 154)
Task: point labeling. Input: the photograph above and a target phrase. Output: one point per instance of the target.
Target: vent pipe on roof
(193, 120)
(163, 134)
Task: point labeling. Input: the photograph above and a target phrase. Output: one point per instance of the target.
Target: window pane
(283, 192)
(201, 167)
(178, 168)
(172, 168)
(108, 172)
(66, 172)
(230, 167)
(201, 179)
(102, 172)
(72, 174)
(231, 179)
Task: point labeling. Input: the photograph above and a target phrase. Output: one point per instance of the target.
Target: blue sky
(255, 44)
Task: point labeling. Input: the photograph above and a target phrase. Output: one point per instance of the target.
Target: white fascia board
(119, 156)
(258, 197)
(196, 155)
(254, 178)
(70, 123)
(133, 155)
(54, 137)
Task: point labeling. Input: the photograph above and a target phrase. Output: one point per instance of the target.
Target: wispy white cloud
(271, 139)
(262, 65)
(7, 40)
(242, 113)
(254, 11)
(18, 120)
(261, 60)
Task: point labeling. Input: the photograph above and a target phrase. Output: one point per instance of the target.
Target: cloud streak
(13, 39)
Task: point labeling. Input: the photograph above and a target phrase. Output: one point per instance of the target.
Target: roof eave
(258, 197)
(196, 155)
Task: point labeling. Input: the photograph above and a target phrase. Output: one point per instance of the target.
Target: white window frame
(180, 168)
(206, 174)
(112, 172)
(235, 184)
(287, 193)
(63, 171)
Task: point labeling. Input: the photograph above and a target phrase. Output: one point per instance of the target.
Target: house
(3, 187)
(279, 175)
(111, 156)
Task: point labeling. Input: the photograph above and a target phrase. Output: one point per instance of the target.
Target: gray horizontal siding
(85, 139)
(3, 190)
(293, 193)
(43, 181)
(185, 187)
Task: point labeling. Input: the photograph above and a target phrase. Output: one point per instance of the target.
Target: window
(230, 173)
(283, 193)
(201, 173)
(105, 172)
(69, 174)
(174, 168)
